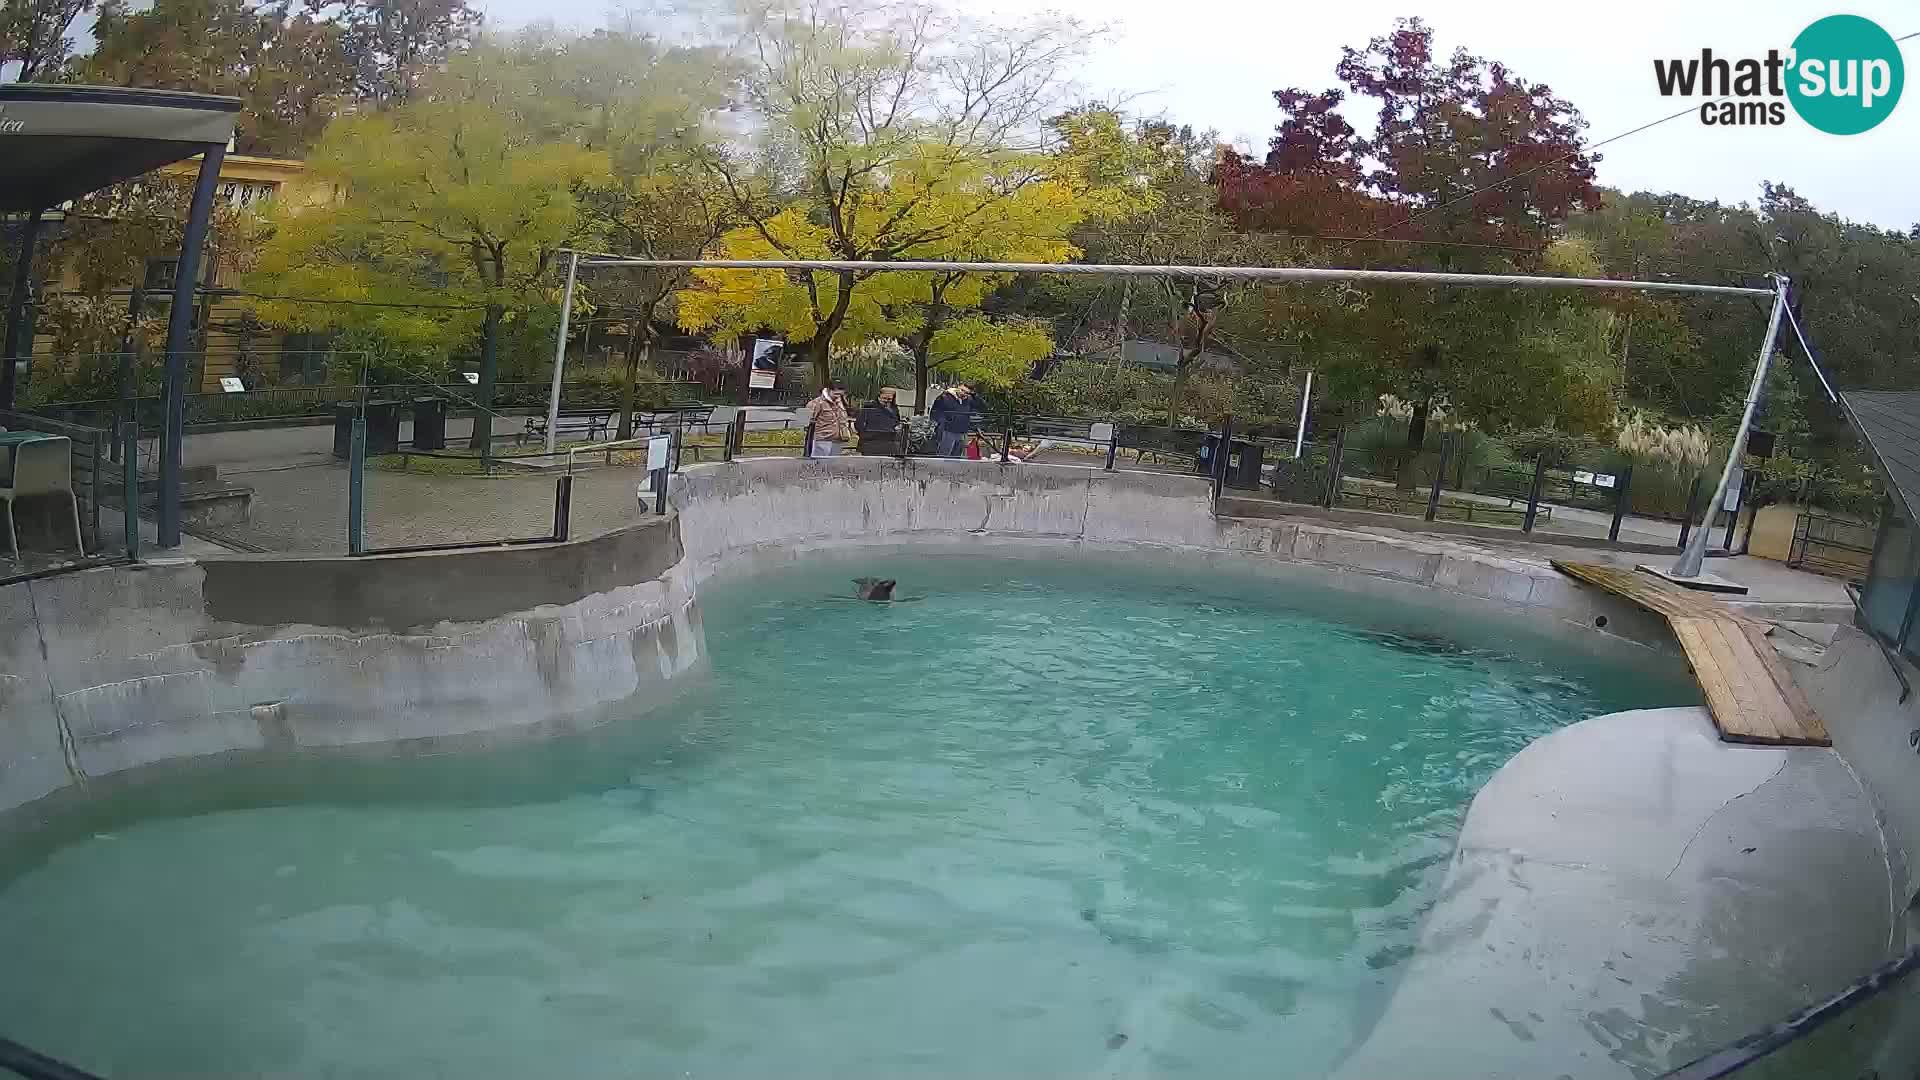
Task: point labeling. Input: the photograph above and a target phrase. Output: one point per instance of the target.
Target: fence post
(95, 482)
(562, 505)
(1533, 493)
(726, 441)
(679, 433)
(806, 442)
(356, 482)
(1733, 516)
(1113, 444)
(1620, 485)
(660, 489)
(1334, 462)
(737, 434)
(1693, 507)
(1006, 442)
(1439, 476)
(1222, 454)
(901, 438)
(130, 484)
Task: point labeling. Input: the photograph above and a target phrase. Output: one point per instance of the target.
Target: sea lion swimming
(878, 590)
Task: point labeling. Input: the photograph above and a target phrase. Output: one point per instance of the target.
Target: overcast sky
(1215, 63)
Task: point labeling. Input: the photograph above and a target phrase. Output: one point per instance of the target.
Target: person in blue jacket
(953, 413)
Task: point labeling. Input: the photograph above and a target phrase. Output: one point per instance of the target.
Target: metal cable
(1311, 275)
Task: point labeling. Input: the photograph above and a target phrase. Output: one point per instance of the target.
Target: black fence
(1840, 546)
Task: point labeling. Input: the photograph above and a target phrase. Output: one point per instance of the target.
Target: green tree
(392, 45)
(289, 67)
(653, 108)
(461, 196)
(33, 34)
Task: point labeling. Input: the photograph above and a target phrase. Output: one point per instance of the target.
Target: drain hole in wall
(1599, 622)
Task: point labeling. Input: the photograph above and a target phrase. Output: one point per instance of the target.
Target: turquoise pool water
(1051, 820)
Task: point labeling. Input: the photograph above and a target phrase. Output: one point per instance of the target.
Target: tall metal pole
(17, 308)
(1688, 565)
(179, 325)
(560, 352)
(1300, 432)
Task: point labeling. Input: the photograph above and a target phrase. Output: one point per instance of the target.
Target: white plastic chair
(41, 467)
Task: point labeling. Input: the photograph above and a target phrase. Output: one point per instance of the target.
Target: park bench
(1162, 442)
(593, 422)
(685, 417)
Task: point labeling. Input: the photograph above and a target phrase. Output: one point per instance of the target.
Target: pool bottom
(1044, 820)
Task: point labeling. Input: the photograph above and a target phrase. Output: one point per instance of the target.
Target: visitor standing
(953, 413)
(878, 425)
(827, 415)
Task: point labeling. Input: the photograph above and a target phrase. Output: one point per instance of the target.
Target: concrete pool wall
(108, 670)
(757, 514)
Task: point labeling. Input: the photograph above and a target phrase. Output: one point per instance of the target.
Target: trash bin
(383, 427)
(1243, 462)
(1243, 468)
(429, 423)
(343, 431)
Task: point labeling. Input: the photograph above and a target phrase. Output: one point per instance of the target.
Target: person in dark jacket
(953, 413)
(878, 425)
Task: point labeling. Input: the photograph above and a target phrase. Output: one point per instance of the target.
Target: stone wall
(755, 514)
(103, 671)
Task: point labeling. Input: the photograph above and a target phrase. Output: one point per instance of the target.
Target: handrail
(34, 1065)
(1866, 624)
(1731, 1059)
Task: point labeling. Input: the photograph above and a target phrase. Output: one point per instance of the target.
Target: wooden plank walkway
(1749, 692)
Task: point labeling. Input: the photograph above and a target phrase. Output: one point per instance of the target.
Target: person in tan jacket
(828, 415)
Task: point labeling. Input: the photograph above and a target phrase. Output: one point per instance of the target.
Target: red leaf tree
(1468, 168)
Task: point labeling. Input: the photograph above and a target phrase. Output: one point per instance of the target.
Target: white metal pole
(560, 352)
(1184, 273)
(1688, 565)
(1300, 432)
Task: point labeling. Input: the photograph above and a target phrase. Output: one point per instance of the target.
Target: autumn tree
(289, 67)
(462, 196)
(1469, 168)
(889, 134)
(34, 34)
(394, 44)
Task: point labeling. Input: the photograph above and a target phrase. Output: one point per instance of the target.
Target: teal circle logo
(1846, 75)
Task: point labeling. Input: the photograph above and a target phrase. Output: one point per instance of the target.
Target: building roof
(1889, 422)
(62, 142)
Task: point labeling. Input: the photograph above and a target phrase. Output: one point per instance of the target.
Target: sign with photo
(767, 353)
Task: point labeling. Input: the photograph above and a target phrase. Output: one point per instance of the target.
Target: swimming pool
(1050, 819)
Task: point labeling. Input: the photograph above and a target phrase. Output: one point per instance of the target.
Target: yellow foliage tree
(896, 133)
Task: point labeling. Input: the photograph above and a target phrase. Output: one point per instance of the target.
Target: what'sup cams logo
(1843, 75)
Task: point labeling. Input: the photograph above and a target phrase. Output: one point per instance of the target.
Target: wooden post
(1533, 493)
(1332, 494)
(1693, 506)
(356, 488)
(1620, 485)
(1439, 476)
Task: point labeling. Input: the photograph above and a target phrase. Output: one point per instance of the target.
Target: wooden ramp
(1749, 692)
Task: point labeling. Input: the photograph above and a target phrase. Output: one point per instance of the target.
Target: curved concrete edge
(112, 670)
(752, 515)
(1630, 893)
